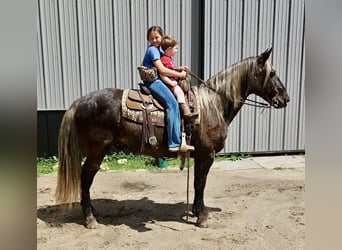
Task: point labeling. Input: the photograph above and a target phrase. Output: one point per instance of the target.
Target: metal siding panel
(52, 55)
(123, 45)
(41, 100)
(207, 38)
(234, 39)
(104, 27)
(172, 13)
(293, 81)
(262, 128)
(69, 51)
(138, 32)
(301, 114)
(155, 12)
(185, 24)
(279, 61)
(88, 46)
(249, 49)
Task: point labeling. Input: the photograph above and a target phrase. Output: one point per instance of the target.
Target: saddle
(139, 106)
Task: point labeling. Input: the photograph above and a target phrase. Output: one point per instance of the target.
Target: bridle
(253, 103)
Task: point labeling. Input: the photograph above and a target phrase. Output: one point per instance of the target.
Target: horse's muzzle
(280, 101)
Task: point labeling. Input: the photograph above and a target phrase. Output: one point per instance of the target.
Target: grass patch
(46, 165)
(123, 161)
(278, 168)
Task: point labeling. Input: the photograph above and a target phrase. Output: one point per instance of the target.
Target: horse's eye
(272, 74)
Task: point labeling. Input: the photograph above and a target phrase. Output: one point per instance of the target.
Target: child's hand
(184, 74)
(186, 68)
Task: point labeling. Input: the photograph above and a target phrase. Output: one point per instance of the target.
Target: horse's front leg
(89, 170)
(202, 166)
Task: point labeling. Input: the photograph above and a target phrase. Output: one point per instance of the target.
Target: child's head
(170, 45)
(155, 35)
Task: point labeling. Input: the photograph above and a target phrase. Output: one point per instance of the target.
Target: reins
(254, 103)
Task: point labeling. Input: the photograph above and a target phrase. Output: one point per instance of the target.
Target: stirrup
(184, 147)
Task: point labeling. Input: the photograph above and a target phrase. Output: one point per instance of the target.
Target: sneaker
(175, 149)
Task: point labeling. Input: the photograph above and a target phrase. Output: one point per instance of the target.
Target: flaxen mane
(224, 88)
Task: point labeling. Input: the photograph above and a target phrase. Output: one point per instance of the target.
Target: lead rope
(187, 186)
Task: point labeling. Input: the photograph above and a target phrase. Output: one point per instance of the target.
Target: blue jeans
(162, 93)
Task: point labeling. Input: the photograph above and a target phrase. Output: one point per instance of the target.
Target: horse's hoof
(202, 221)
(95, 213)
(91, 222)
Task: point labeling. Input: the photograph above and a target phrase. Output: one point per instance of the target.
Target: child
(160, 91)
(170, 46)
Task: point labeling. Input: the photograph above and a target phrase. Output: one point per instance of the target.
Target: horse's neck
(230, 86)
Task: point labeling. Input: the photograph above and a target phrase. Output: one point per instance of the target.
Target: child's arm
(162, 70)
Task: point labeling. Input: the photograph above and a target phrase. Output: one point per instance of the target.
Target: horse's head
(266, 83)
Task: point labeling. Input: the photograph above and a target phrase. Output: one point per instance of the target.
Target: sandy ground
(258, 208)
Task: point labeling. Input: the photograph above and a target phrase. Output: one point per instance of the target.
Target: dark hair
(156, 29)
(168, 41)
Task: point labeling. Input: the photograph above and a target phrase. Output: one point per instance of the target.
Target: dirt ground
(249, 209)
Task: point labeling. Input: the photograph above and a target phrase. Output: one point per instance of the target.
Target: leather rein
(254, 103)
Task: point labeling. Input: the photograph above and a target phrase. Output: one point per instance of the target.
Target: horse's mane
(224, 88)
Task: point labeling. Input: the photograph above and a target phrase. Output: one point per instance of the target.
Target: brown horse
(94, 123)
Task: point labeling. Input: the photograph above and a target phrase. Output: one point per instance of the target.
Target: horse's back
(97, 116)
(98, 104)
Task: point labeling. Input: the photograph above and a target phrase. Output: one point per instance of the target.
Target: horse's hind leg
(89, 170)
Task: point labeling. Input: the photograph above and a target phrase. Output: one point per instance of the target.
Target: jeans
(162, 93)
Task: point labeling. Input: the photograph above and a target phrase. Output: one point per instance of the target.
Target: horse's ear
(262, 58)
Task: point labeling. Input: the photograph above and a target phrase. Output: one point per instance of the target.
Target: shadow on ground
(133, 213)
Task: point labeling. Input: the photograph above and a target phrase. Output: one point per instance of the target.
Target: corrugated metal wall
(85, 45)
(237, 29)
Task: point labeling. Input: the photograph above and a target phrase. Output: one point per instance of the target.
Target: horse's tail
(69, 159)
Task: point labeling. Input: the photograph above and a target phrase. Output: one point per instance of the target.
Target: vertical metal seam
(114, 50)
(286, 68)
(226, 54)
(210, 41)
(301, 77)
(79, 48)
(257, 49)
(60, 53)
(181, 31)
(131, 40)
(96, 48)
(164, 16)
(226, 37)
(241, 56)
(147, 13)
(270, 112)
(42, 52)
(202, 38)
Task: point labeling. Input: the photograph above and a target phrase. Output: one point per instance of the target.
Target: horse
(94, 123)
